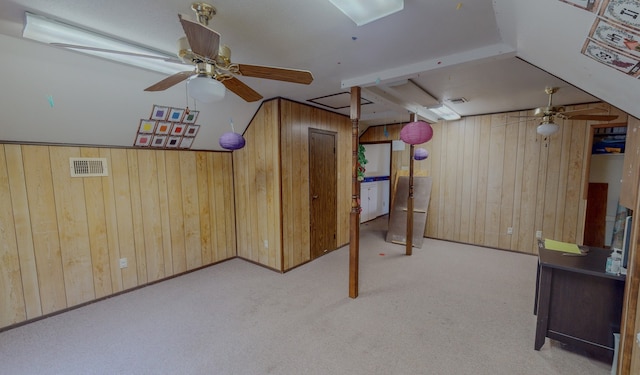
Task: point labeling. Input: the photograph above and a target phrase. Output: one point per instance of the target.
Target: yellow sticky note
(565, 247)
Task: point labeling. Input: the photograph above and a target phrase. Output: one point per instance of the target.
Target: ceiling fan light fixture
(547, 127)
(363, 12)
(205, 88)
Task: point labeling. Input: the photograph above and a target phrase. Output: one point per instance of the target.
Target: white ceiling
(497, 54)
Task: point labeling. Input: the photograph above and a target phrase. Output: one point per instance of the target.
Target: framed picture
(191, 117)
(624, 12)
(186, 142)
(173, 142)
(625, 40)
(178, 129)
(143, 140)
(590, 5)
(611, 57)
(163, 128)
(158, 140)
(175, 114)
(192, 130)
(147, 126)
(159, 113)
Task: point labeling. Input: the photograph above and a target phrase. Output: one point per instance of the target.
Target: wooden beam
(354, 233)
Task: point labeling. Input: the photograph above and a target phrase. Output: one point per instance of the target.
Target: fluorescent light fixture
(46, 30)
(365, 11)
(445, 112)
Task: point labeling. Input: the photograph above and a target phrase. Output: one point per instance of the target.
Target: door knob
(315, 197)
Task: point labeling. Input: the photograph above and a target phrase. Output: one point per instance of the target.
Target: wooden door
(596, 216)
(322, 191)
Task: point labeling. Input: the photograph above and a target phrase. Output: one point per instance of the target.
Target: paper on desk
(565, 247)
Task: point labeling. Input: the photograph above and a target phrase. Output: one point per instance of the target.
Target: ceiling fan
(201, 47)
(547, 114)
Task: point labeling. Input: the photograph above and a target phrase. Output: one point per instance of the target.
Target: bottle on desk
(614, 262)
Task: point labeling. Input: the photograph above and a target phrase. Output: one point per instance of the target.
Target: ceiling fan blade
(145, 56)
(278, 74)
(241, 89)
(592, 117)
(583, 111)
(202, 40)
(170, 81)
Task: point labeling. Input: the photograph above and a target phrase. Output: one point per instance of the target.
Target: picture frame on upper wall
(192, 130)
(173, 142)
(590, 5)
(159, 113)
(163, 128)
(143, 140)
(190, 117)
(178, 129)
(175, 114)
(147, 126)
(159, 141)
(623, 12)
(186, 142)
(616, 36)
(611, 57)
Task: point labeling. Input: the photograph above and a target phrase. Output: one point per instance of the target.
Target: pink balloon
(417, 132)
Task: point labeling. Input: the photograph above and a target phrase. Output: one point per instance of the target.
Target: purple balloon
(420, 153)
(231, 141)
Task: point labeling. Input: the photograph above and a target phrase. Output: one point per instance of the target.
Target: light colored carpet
(447, 309)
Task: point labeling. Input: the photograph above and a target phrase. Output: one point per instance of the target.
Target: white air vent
(88, 167)
(457, 100)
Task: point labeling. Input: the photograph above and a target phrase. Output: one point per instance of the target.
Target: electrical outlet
(266, 244)
(510, 230)
(123, 263)
(539, 234)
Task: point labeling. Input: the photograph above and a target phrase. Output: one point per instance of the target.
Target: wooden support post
(409, 241)
(354, 233)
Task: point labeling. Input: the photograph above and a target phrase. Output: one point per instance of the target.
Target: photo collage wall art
(614, 38)
(168, 127)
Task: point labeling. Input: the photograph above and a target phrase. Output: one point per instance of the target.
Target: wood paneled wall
(296, 120)
(61, 238)
(272, 183)
(257, 184)
(492, 172)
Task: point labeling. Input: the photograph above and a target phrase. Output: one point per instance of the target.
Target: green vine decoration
(361, 162)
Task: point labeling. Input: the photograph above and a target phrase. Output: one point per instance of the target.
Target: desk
(577, 302)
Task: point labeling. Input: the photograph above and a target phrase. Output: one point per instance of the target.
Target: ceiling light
(547, 127)
(445, 112)
(365, 11)
(205, 89)
(63, 35)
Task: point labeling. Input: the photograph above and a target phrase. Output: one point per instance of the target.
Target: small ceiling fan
(201, 47)
(549, 112)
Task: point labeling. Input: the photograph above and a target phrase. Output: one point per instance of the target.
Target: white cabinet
(369, 201)
(374, 199)
(384, 196)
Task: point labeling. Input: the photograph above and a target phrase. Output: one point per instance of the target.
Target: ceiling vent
(457, 100)
(88, 167)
